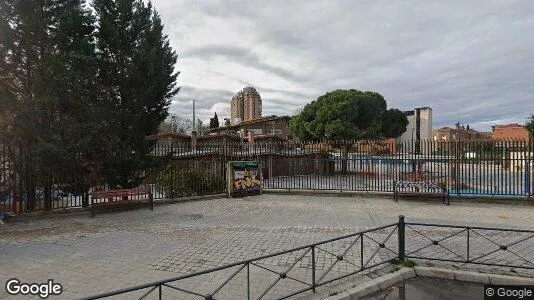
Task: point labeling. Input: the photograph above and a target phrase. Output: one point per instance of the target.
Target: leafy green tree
(343, 117)
(137, 81)
(530, 125)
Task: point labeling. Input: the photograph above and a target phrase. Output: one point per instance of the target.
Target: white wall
(411, 131)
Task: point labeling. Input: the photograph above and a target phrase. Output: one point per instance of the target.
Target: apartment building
(245, 106)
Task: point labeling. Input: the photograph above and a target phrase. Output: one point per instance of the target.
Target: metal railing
(358, 252)
(181, 169)
(471, 245)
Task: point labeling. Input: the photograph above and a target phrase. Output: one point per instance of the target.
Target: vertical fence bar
(248, 281)
(159, 292)
(468, 250)
(401, 232)
(313, 268)
(361, 251)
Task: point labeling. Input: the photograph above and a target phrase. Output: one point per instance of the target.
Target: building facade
(245, 106)
(419, 129)
(263, 126)
(447, 134)
(510, 132)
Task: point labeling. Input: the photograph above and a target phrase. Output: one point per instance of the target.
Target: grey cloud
(182, 104)
(471, 61)
(242, 56)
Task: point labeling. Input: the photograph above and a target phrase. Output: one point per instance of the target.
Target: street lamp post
(194, 118)
(173, 124)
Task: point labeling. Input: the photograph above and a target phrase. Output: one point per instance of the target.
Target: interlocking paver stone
(121, 249)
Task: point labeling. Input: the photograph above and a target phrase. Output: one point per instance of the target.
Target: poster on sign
(245, 178)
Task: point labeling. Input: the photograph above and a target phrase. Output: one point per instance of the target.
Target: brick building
(510, 132)
(448, 134)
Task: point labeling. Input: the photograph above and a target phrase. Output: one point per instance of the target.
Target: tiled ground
(122, 249)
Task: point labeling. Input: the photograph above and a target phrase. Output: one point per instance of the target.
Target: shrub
(178, 183)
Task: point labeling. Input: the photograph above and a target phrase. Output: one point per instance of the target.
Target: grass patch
(408, 263)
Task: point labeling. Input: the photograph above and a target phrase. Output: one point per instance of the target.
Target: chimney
(194, 140)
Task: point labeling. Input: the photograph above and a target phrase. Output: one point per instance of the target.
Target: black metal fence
(510, 248)
(308, 267)
(176, 169)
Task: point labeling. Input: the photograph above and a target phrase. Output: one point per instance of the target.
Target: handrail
(243, 262)
(400, 226)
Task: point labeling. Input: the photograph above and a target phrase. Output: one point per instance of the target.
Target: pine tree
(137, 81)
(214, 122)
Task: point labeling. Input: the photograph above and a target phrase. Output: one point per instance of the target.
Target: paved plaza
(121, 249)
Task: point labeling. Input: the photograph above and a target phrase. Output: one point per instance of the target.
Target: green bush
(177, 183)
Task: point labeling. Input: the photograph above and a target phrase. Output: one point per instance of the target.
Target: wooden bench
(119, 198)
(421, 188)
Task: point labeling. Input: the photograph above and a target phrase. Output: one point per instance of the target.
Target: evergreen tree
(137, 81)
(42, 43)
(214, 122)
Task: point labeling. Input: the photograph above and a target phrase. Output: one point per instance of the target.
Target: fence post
(248, 281)
(401, 227)
(313, 268)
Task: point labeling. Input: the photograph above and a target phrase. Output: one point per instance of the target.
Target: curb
(453, 197)
(80, 211)
(384, 282)
(333, 193)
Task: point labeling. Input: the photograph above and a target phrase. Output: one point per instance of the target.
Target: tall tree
(214, 122)
(343, 117)
(137, 80)
(42, 43)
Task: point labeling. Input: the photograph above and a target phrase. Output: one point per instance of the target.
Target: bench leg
(151, 201)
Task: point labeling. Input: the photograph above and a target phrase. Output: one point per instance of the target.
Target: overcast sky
(470, 61)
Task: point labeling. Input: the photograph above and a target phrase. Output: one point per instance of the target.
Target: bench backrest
(121, 193)
(419, 184)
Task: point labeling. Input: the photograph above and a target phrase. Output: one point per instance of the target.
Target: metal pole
(402, 237)
(194, 118)
(248, 281)
(468, 246)
(313, 268)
